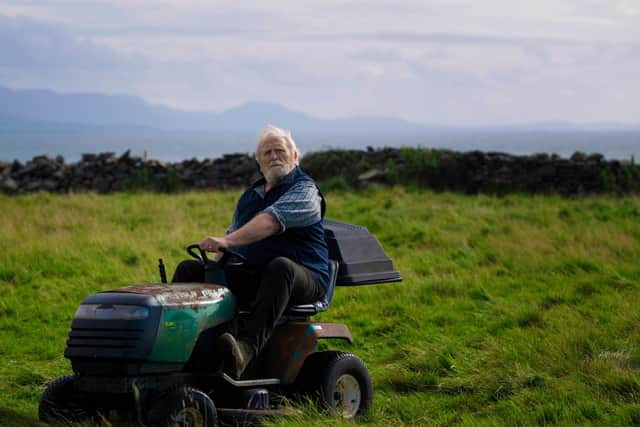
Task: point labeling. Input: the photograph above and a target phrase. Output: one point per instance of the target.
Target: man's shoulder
(303, 189)
(303, 177)
(304, 184)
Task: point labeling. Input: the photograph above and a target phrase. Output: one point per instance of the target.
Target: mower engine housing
(144, 329)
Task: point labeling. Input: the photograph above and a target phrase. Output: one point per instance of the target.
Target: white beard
(275, 174)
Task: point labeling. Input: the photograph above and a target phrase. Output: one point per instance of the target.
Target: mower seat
(318, 306)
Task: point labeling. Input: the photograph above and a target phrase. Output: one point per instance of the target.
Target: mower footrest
(251, 383)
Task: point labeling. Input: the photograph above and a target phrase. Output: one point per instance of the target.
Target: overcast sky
(432, 61)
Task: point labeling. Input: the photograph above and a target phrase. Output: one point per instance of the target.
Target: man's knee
(280, 275)
(187, 265)
(188, 271)
(280, 266)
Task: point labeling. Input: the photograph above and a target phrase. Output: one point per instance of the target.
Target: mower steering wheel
(202, 256)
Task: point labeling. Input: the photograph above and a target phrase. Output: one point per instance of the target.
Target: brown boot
(239, 353)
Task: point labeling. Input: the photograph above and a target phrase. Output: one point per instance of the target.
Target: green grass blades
(514, 310)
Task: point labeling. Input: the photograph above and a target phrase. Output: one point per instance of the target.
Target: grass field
(514, 310)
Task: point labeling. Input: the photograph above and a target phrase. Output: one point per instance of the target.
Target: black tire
(61, 404)
(339, 381)
(184, 406)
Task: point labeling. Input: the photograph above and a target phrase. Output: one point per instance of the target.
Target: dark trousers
(269, 292)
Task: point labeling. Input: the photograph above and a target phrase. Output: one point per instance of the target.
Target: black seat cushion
(321, 305)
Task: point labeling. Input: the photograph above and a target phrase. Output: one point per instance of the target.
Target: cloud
(436, 38)
(31, 44)
(452, 61)
(466, 39)
(35, 54)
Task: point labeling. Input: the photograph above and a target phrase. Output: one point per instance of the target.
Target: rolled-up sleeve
(298, 207)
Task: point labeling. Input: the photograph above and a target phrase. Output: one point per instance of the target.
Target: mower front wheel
(60, 403)
(340, 380)
(185, 406)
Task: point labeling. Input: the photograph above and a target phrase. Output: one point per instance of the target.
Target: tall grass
(514, 310)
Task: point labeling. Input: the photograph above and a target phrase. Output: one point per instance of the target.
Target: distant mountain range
(44, 109)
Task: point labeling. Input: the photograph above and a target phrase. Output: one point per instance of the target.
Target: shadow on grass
(9, 418)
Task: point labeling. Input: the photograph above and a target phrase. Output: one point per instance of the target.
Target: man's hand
(213, 244)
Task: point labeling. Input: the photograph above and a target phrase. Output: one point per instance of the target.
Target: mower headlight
(112, 312)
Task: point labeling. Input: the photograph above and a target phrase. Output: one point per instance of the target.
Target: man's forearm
(260, 227)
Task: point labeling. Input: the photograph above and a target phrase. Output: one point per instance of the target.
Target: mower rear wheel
(340, 380)
(60, 403)
(184, 406)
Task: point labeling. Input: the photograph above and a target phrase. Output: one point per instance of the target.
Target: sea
(175, 146)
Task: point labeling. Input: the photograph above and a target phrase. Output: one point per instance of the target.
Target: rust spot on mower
(182, 294)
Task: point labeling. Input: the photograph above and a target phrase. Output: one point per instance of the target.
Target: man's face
(275, 159)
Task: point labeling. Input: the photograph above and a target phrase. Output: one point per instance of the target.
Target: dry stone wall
(477, 172)
(442, 170)
(106, 172)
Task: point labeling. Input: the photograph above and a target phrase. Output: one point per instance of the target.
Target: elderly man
(277, 226)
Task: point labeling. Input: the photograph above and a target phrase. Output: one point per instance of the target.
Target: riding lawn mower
(147, 352)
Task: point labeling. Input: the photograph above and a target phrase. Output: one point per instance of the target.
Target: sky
(460, 62)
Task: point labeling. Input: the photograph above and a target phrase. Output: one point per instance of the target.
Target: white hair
(271, 131)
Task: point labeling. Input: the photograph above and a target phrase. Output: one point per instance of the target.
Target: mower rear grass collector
(148, 351)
